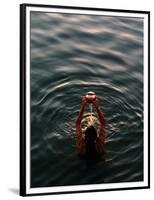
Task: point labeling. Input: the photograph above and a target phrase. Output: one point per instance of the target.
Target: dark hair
(91, 153)
(90, 134)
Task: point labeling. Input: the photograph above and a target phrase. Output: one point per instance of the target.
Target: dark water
(70, 55)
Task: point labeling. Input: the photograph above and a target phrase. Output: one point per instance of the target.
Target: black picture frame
(23, 94)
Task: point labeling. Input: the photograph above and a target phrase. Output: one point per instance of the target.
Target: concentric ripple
(71, 55)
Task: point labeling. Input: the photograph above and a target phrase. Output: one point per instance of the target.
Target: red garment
(99, 143)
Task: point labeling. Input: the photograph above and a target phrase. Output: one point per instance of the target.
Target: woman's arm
(80, 141)
(101, 120)
(79, 118)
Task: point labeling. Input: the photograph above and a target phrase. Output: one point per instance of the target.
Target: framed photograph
(84, 99)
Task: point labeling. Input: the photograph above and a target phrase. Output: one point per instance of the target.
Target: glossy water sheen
(70, 55)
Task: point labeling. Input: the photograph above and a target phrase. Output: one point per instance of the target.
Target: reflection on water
(71, 55)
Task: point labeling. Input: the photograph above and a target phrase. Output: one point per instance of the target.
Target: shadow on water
(92, 157)
(92, 160)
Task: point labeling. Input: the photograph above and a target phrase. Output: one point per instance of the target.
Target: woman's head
(90, 134)
(91, 153)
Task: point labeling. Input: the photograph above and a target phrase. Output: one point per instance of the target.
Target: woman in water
(90, 143)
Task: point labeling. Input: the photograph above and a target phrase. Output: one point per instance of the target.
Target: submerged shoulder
(99, 146)
(81, 147)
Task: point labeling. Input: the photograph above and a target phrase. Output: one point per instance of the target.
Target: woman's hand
(96, 102)
(84, 100)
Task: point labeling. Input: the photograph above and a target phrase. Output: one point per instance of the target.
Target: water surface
(71, 55)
